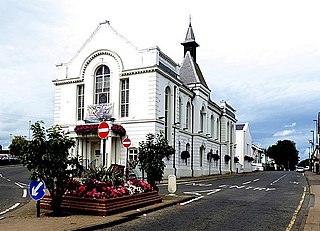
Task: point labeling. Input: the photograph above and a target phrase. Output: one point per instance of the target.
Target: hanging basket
(87, 129)
(118, 130)
(248, 158)
(227, 158)
(185, 155)
(215, 157)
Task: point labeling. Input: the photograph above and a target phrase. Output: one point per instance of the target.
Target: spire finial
(190, 20)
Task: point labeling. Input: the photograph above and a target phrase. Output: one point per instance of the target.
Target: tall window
(102, 85)
(188, 116)
(212, 126)
(167, 114)
(201, 155)
(218, 129)
(80, 102)
(202, 119)
(180, 112)
(124, 98)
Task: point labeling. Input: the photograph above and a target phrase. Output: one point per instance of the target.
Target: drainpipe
(192, 128)
(220, 171)
(174, 129)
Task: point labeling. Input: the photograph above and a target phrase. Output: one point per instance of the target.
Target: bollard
(172, 185)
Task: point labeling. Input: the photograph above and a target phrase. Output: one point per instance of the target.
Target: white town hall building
(141, 91)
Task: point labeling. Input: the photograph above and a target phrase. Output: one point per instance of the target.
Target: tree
(284, 153)
(151, 155)
(47, 158)
(16, 144)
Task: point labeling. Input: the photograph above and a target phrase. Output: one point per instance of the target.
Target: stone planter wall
(103, 207)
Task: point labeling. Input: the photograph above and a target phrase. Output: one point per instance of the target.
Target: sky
(261, 56)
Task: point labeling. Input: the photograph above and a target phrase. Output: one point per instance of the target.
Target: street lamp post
(312, 149)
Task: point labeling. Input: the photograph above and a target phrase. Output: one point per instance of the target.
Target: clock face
(103, 98)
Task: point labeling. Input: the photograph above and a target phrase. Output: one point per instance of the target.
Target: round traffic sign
(126, 142)
(103, 130)
(36, 190)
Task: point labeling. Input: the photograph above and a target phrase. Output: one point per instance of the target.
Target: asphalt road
(14, 182)
(258, 201)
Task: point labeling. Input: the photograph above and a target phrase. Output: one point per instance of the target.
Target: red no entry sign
(103, 130)
(126, 142)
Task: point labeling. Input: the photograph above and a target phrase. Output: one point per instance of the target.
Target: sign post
(126, 142)
(103, 131)
(36, 192)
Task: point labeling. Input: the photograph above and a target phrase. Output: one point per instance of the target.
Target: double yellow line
(295, 214)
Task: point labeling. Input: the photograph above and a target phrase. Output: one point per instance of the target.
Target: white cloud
(291, 125)
(284, 133)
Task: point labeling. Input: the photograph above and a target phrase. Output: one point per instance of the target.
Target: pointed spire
(190, 43)
(190, 35)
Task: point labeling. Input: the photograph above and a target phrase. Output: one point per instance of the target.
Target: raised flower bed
(92, 196)
(105, 206)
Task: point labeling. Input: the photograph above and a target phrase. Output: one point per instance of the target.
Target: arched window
(202, 119)
(201, 155)
(102, 85)
(212, 125)
(167, 114)
(180, 112)
(188, 116)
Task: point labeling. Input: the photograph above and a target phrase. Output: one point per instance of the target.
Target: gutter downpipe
(192, 108)
(220, 136)
(174, 129)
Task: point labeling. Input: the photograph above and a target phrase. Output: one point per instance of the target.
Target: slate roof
(190, 36)
(190, 72)
(240, 126)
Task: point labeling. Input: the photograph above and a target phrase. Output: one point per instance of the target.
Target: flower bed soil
(103, 207)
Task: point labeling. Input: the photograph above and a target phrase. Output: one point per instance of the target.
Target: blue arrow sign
(37, 190)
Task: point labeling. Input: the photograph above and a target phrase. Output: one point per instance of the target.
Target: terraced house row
(140, 91)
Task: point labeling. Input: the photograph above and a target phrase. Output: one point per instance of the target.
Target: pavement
(25, 217)
(312, 222)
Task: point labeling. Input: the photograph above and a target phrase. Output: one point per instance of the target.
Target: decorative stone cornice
(58, 82)
(139, 71)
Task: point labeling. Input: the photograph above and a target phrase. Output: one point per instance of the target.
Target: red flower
(87, 129)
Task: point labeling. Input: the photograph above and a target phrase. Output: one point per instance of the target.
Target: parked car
(307, 168)
(300, 169)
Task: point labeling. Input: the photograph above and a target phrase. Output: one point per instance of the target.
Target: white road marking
(24, 193)
(198, 193)
(236, 186)
(223, 186)
(256, 180)
(248, 182)
(216, 190)
(195, 199)
(19, 185)
(8, 180)
(199, 184)
(277, 180)
(294, 182)
(193, 193)
(12, 207)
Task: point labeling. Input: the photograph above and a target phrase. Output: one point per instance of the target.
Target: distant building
(244, 147)
(259, 158)
(142, 91)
